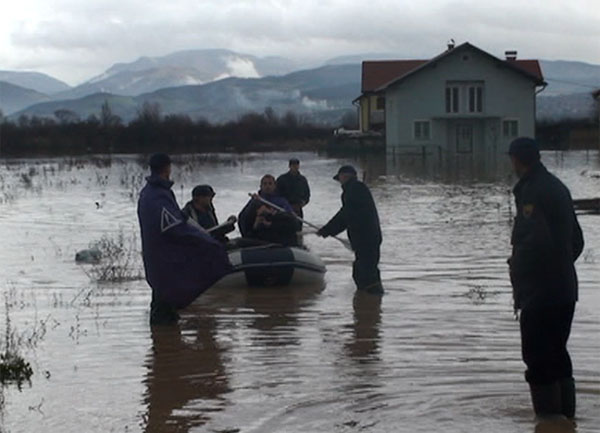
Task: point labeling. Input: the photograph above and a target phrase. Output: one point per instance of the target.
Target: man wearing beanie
(546, 241)
(181, 261)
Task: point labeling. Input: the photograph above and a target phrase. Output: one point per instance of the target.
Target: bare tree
(66, 116)
(150, 112)
(107, 117)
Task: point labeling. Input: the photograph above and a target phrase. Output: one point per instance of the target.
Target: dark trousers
(298, 210)
(544, 335)
(365, 271)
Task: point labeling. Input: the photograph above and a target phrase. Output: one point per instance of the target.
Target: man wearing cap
(546, 241)
(358, 216)
(293, 186)
(200, 207)
(180, 260)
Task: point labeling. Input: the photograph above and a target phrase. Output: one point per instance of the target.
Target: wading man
(293, 186)
(546, 241)
(180, 260)
(358, 216)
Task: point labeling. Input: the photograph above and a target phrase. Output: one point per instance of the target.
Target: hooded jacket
(180, 260)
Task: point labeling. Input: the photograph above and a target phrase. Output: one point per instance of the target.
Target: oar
(280, 209)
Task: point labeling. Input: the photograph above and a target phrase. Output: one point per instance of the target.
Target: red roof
(532, 67)
(376, 74)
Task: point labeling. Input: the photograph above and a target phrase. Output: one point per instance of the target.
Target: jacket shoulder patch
(528, 210)
(167, 220)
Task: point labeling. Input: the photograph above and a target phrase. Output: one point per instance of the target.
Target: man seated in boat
(201, 209)
(260, 221)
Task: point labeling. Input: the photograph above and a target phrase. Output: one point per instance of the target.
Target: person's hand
(321, 233)
(231, 218)
(261, 221)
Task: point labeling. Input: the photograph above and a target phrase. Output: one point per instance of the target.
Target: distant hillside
(566, 77)
(574, 106)
(183, 68)
(14, 98)
(84, 107)
(34, 80)
(321, 94)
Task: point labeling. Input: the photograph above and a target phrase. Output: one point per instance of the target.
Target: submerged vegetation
(117, 259)
(13, 367)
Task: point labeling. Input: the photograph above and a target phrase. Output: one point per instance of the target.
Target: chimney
(511, 55)
(450, 44)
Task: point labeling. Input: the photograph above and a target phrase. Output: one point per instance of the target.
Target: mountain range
(221, 85)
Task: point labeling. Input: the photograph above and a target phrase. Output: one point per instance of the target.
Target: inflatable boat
(273, 265)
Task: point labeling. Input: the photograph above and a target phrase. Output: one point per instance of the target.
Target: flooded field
(438, 353)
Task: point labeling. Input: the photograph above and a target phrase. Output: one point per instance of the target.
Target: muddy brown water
(439, 352)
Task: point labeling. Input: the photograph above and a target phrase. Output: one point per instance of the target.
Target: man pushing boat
(181, 260)
(359, 217)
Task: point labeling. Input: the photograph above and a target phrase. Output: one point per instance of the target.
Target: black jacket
(206, 220)
(283, 225)
(546, 241)
(294, 187)
(358, 215)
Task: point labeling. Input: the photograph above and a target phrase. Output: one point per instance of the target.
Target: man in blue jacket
(181, 261)
(546, 241)
(261, 222)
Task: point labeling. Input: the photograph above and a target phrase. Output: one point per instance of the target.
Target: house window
(452, 99)
(422, 130)
(475, 99)
(380, 103)
(510, 128)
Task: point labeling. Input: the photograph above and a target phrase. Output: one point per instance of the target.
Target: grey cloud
(105, 32)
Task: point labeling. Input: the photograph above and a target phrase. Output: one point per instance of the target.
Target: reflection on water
(439, 352)
(363, 347)
(186, 377)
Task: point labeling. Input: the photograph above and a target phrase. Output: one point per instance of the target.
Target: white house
(465, 100)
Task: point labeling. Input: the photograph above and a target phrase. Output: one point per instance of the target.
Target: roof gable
(378, 75)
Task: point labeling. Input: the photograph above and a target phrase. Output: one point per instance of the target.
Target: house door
(464, 138)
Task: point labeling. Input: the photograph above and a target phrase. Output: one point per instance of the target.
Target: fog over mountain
(182, 68)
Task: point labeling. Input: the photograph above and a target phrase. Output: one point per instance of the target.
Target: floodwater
(438, 353)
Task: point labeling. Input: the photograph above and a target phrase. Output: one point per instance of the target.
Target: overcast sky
(74, 40)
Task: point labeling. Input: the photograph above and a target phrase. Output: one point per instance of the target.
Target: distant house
(465, 100)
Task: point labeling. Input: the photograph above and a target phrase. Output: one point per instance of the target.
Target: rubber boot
(567, 395)
(546, 400)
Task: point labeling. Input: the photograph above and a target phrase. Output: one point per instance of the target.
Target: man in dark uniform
(546, 241)
(359, 216)
(293, 186)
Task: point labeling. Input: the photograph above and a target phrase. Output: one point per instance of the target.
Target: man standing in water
(293, 186)
(546, 241)
(359, 216)
(181, 261)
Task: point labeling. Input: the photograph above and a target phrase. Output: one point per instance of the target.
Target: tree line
(150, 131)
